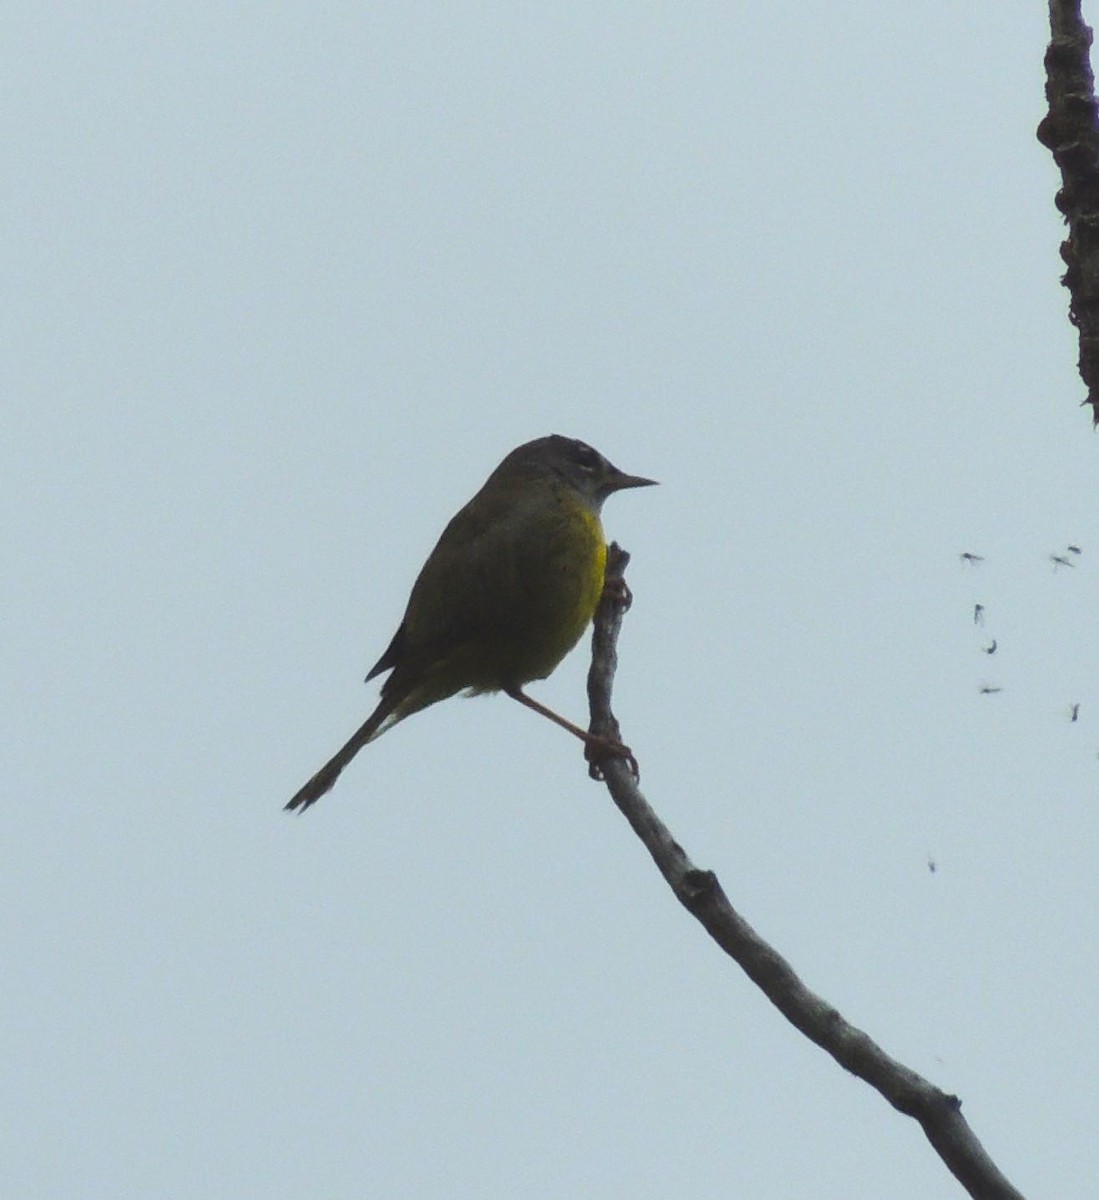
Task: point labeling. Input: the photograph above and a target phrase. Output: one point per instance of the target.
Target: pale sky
(282, 284)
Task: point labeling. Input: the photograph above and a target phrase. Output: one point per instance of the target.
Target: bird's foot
(616, 590)
(599, 748)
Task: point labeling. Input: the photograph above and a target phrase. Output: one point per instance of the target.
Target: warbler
(507, 592)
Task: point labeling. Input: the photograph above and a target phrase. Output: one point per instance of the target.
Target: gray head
(576, 463)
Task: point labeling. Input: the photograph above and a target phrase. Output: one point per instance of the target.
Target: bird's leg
(518, 694)
(598, 747)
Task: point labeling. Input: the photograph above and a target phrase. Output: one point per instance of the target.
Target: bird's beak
(619, 480)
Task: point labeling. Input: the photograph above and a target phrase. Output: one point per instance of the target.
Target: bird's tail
(377, 723)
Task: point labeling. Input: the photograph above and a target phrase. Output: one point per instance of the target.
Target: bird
(506, 593)
(971, 558)
(990, 648)
(978, 614)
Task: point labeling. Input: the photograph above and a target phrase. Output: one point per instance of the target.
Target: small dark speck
(1059, 560)
(932, 865)
(988, 690)
(972, 559)
(1075, 713)
(1075, 550)
(978, 614)
(990, 648)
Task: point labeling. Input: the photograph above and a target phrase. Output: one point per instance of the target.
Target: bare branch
(1071, 131)
(701, 894)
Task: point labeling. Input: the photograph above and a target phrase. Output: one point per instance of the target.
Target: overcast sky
(283, 282)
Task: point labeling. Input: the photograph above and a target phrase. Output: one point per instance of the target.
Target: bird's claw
(601, 747)
(616, 590)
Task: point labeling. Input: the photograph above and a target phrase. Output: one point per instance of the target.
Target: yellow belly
(572, 587)
(547, 595)
(501, 602)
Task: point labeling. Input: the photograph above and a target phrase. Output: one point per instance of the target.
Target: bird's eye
(586, 458)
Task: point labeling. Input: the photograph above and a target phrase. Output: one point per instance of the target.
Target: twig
(701, 894)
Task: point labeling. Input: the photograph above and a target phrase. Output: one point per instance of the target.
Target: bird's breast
(558, 583)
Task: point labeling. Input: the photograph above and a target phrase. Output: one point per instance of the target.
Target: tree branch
(701, 894)
(1070, 130)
